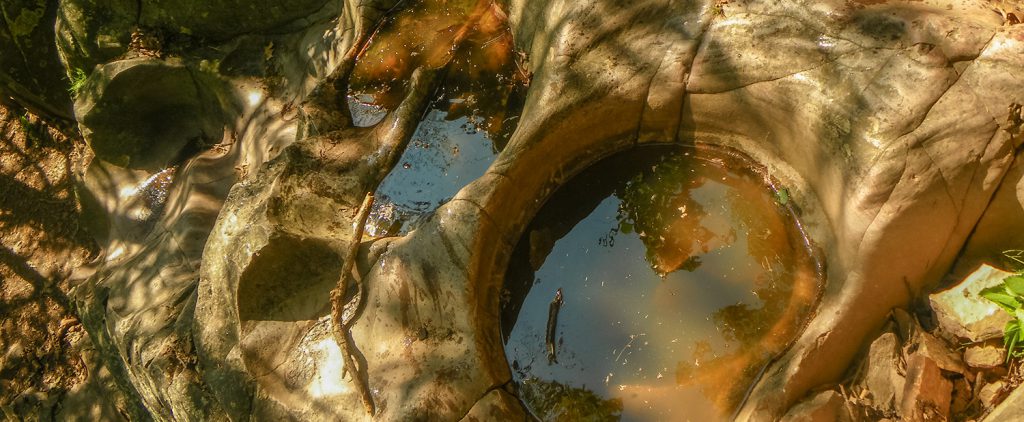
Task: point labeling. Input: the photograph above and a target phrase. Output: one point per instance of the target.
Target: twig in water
(556, 304)
(341, 327)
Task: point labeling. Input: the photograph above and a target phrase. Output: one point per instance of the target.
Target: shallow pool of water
(683, 273)
(443, 156)
(472, 112)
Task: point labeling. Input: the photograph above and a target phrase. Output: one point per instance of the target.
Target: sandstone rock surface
(891, 123)
(827, 406)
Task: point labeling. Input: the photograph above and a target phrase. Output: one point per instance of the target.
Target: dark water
(443, 156)
(472, 113)
(682, 274)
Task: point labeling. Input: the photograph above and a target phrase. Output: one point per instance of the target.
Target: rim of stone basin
(726, 158)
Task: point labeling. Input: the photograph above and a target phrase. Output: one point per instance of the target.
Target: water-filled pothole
(471, 115)
(683, 273)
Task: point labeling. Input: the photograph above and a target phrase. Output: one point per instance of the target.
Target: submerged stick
(341, 327)
(556, 304)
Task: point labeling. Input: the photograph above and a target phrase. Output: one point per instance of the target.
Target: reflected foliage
(662, 206)
(483, 82)
(730, 285)
(657, 204)
(554, 401)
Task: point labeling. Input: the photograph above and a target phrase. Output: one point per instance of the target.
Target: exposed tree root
(339, 325)
(328, 116)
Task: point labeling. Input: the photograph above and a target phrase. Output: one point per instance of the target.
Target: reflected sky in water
(443, 156)
(675, 275)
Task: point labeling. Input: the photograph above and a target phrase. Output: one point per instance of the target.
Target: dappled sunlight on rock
(234, 145)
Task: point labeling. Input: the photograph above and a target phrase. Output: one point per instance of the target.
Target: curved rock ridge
(227, 176)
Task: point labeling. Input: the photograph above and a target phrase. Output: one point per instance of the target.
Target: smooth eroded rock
(151, 114)
(885, 120)
(827, 406)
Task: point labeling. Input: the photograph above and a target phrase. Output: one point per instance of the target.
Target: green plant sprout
(78, 78)
(35, 133)
(1009, 295)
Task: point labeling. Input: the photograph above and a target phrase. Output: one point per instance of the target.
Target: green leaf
(1015, 284)
(782, 195)
(1012, 327)
(998, 295)
(1011, 337)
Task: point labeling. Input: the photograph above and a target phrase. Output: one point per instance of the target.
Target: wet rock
(826, 406)
(541, 243)
(987, 355)
(927, 394)
(138, 303)
(962, 312)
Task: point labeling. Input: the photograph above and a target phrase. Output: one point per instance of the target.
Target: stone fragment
(826, 406)
(990, 393)
(986, 355)
(939, 352)
(1010, 410)
(927, 394)
(882, 377)
(961, 311)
